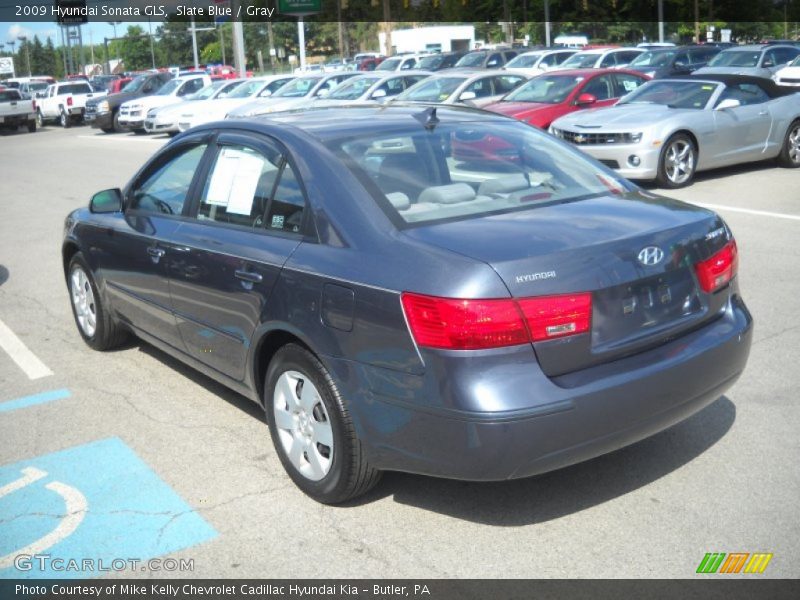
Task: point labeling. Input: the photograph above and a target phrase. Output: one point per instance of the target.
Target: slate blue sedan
(394, 307)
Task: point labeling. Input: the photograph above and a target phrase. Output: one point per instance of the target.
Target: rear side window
(627, 83)
(600, 87)
(165, 189)
(288, 204)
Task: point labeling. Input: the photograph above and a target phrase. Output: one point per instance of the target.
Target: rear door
(248, 219)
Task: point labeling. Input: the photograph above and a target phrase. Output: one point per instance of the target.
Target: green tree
(134, 49)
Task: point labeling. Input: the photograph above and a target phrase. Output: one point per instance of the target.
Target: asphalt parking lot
(160, 461)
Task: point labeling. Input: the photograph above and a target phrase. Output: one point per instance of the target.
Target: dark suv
(485, 59)
(668, 62)
(103, 113)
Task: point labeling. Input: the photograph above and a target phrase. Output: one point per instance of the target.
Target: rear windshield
(8, 95)
(470, 169)
(581, 61)
(75, 88)
(736, 58)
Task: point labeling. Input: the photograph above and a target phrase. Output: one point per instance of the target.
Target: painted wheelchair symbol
(75, 508)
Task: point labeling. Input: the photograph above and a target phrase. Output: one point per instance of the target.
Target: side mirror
(467, 96)
(586, 100)
(107, 201)
(378, 94)
(728, 103)
(265, 94)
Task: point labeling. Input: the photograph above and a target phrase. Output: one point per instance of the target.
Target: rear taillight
(549, 317)
(717, 271)
(459, 324)
(69, 100)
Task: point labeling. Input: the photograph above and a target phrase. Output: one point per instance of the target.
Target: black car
(393, 308)
(437, 62)
(103, 113)
(668, 62)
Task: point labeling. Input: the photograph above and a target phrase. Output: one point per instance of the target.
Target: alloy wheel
(83, 301)
(303, 425)
(679, 161)
(794, 144)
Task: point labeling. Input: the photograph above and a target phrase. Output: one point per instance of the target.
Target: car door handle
(155, 252)
(249, 276)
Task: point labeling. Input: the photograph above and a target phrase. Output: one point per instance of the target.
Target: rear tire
(312, 430)
(790, 151)
(677, 163)
(39, 118)
(107, 129)
(31, 126)
(65, 119)
(94, 322)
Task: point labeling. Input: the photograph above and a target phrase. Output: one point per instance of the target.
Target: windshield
(353, 89)
(736, 58)
(298, 88)
(431, 62)
(169, 87)
(390, 64)
(432, 90)
(36, 87)
(206, 92)
(483, 168)
(473, 59)
(653, 59)
(135, 84)
(580, 61)
(795, 62)
(675, 94)
(525, 61)
(247, 89)
(548, 89)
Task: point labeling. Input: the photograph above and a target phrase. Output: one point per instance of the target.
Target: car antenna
(428, 118)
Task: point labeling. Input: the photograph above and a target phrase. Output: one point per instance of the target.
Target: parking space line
(20, 354)
(27, 401)
(749, 211)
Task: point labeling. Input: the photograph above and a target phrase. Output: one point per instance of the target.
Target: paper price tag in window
(244, 186)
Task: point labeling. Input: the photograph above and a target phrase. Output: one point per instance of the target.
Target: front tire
(677, 163)
(790, 151)
(312, 430)
(31, 126)
(94, 322)
(117, 127)
(39, 118)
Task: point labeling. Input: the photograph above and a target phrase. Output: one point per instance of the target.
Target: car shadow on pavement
(720, 173)
(3, 274)
(234, 399)
(566, 491)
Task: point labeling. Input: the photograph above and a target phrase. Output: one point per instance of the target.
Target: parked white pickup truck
(15, 111)
(64, 101)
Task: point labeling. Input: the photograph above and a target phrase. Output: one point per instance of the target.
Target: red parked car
(547, 97)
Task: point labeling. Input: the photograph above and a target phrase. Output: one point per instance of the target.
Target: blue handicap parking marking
(26, 401)
(97, 501)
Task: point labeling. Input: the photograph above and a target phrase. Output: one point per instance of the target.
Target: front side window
(600, 87)
(165, 190)
(297, 88)
(495, 60)
(675, 94)
(506, 83)
(627, 83)
(354, 89)
(745, 93)
(481, 88)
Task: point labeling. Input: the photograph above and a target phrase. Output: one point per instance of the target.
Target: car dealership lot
(209, 485)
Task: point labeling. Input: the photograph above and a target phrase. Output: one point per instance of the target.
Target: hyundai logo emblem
(650, 256)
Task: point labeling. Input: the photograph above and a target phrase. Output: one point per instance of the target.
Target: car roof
(326, 123)
(772, 89)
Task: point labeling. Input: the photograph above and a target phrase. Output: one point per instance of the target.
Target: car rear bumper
(409, 423)
(17, 120)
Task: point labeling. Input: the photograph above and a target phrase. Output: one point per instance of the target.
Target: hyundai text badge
(651, 255)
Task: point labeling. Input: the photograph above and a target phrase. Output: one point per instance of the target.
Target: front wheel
(39, 118)
(94, 322)
(312, 430)
(790, 151)
(677, 163)
(117, 126)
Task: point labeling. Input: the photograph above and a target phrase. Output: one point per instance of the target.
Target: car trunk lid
(599, 245)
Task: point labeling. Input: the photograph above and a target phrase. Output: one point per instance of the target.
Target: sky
(91, 31)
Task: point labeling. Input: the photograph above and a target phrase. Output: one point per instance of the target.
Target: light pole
(13, 68)
(23, 39)
(116, 46)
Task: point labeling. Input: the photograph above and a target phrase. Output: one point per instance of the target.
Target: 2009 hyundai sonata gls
(394, 308)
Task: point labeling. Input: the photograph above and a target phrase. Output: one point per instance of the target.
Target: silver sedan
(669, 129)
(459, 86)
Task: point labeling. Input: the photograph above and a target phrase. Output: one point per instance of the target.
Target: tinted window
(627, 83)
(286, 209)
(9, 95)
(549, 89)
(495, 60)
(609, 60)
(239, 186)
(392, 87)
(745, 93)
(481, 87)
(75, 88)
(436, 89)
(506, 83)
(165, 189)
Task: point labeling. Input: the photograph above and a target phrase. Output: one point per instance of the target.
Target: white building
(445, 38)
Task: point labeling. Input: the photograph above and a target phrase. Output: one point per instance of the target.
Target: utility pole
(547, 23)
(301, 40)
(152, 49)
(24, 39)
(387, 26)
(272, 51)
(222, 44)
(660, 20)
(193, 29)
(341, 29)
(238, 42)
(697, 21)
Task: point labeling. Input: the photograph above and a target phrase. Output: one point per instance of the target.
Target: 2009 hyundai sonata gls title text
(397, 308)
